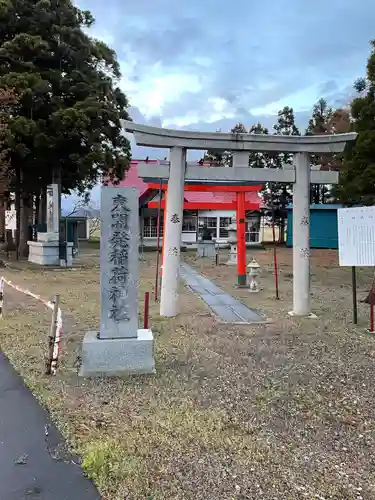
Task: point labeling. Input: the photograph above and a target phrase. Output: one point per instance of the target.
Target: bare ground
(276, 411)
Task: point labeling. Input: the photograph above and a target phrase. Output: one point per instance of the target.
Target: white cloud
(156, 89)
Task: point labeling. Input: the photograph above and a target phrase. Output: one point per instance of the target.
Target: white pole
(301, 236)
(173, 230)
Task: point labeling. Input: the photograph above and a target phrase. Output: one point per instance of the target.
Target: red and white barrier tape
(56, 343)
(47, 303)
(1, 296)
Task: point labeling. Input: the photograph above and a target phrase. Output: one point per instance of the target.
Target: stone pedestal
(232, 240)
(253, 276)
(232, 261)
(120, 347)
(116, 357)
(47, 237)
(206, 248)
(46, 250)
(47, 253)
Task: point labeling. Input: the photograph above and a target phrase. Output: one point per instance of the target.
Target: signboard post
(354, 289)
(356, 230)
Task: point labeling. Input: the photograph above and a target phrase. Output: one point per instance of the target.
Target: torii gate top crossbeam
(168, 138)
(235, 175)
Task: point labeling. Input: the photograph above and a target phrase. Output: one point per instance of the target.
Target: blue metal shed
(323, 226)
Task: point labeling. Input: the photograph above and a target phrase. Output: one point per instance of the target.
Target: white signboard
(11, 219)
(356, 227)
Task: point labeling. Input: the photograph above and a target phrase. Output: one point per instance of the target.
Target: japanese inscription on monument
(119, 262)
(50, 208)
(118, 256)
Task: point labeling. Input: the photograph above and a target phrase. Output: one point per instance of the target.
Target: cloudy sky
(208, 64)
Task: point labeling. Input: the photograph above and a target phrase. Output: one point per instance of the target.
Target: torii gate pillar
(241, 160)
(169, 303)
(301, 236)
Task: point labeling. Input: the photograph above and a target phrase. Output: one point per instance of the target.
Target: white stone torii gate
(300, 175)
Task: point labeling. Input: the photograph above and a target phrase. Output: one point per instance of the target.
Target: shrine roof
(214, 198)
(219, 197)
(132, 179)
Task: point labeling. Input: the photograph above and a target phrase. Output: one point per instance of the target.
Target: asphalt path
(35, 463)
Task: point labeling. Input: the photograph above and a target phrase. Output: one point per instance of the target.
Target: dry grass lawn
(277, 411)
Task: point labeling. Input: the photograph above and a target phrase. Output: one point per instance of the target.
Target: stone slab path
(34, 461)
(226, 307)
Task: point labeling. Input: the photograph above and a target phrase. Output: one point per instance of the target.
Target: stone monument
(206, 244)
(46, 250)
(120, 347)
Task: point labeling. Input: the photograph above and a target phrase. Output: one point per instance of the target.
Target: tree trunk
(18, 210)
(282, 231)
(3, 187)
(2, 220)
(57, 179)
(24, 218)
(317, 194)
(24, 226)
(42, 216)
(7, 201)
(37, 205)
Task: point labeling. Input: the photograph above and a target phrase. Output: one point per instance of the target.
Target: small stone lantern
(232, 240)
(254, 268)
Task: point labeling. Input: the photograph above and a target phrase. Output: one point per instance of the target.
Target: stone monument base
(232, 260)
(206, 248)
(48, 236)
(116, 357)
(47, 253)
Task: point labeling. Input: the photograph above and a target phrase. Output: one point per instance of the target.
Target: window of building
(150, 227)
(224, 223)
(189, 223)
(252, 231)
(210, 223)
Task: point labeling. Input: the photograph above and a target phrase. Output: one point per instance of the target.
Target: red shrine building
(206, 205)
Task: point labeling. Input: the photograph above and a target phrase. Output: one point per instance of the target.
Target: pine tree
(224, 158)
(68, 123)
(8, 103)
(258, 159)
(319, 124)
(357, 180)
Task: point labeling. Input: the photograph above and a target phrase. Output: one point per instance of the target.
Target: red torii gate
(240, 205)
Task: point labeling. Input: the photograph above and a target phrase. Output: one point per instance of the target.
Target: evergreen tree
(277, 196)
(357, 180)
(319, 124)
(224, 158)
(8, 103)
(67, 126)
(258, 159)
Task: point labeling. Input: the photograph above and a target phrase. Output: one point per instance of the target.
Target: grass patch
(109, 466)
(280, 410)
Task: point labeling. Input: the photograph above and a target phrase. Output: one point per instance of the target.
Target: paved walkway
(226, 307)
(34, 462)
